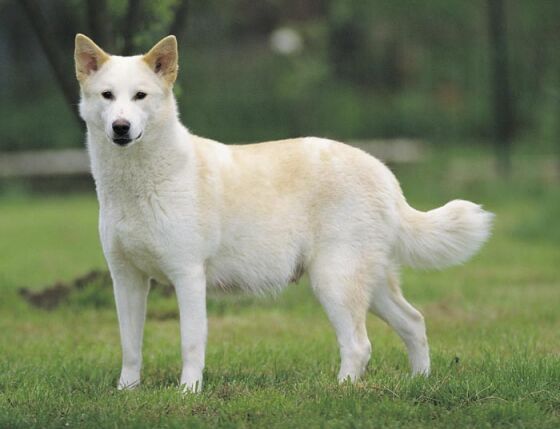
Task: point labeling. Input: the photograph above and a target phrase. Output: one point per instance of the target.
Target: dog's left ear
(162, 59)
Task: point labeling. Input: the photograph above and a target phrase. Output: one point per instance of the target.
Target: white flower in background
(286, 41)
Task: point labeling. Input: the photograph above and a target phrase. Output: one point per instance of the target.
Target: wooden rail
(64, 162)
(75, 162)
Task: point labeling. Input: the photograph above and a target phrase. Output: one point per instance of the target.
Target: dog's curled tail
(448, 235)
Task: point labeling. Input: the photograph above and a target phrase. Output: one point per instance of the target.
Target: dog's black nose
(121, 127)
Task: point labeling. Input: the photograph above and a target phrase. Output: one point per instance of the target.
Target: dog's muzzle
(121, 132)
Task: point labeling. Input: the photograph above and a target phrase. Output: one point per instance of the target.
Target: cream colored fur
(195, 213)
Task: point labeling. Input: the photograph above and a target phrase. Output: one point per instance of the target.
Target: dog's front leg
(131, 290)
(191, 296)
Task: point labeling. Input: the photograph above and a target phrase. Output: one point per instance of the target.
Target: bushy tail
(442, 237)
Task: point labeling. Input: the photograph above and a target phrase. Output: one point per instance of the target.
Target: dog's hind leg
(340, 289)
(131, 291)
(390, 305)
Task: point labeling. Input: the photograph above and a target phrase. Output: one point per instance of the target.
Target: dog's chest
(137, 236)
(146, 232)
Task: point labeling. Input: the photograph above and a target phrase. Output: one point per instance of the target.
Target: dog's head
(126, 98)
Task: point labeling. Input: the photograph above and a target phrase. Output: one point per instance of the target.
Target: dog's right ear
(88, 57)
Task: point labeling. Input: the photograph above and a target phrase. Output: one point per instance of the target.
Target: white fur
(193, 212)
(445, 236)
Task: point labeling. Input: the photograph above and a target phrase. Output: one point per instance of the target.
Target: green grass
(493, 326)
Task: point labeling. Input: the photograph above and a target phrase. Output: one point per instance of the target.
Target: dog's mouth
(125, 141)
(122, 141)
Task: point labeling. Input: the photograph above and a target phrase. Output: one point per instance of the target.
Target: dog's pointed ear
(163, 59)
(88, 57)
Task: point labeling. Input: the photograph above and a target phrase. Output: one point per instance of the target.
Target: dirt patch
(52, 296)
(48, 298)
(92, 289)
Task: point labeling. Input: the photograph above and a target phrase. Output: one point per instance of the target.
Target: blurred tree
(501, 91)
(132, 21)
(48, 41)
(100, 23)
(100, 27)
(178, 26)
(350, 46)
(366, 68)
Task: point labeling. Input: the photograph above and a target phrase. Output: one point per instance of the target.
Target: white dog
(192, 212)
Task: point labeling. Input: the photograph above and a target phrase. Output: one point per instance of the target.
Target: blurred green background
(473, 86)
(261, 70)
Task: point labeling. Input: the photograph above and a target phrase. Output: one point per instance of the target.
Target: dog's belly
(252, 265)
(257, 269)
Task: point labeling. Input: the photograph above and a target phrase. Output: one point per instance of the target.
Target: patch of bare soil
(94, 290)
(52, 296)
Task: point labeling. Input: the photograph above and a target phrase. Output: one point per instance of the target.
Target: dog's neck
(121, 172)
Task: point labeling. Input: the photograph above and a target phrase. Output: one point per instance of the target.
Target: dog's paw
(347, 378)
(191, 382)
(422, 372)
(192, 387)
(128, 383)
(128, 386)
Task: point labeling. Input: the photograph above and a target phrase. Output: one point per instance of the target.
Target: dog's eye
(140, 95)
(108, 95)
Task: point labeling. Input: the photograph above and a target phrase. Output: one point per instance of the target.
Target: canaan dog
(192, 212)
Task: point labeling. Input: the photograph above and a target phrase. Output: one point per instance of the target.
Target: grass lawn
(493, 326)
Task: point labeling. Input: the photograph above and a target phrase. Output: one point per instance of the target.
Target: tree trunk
(99, 22)
(132, 23)
(64, 77)
(178, 25)
(501, 90)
